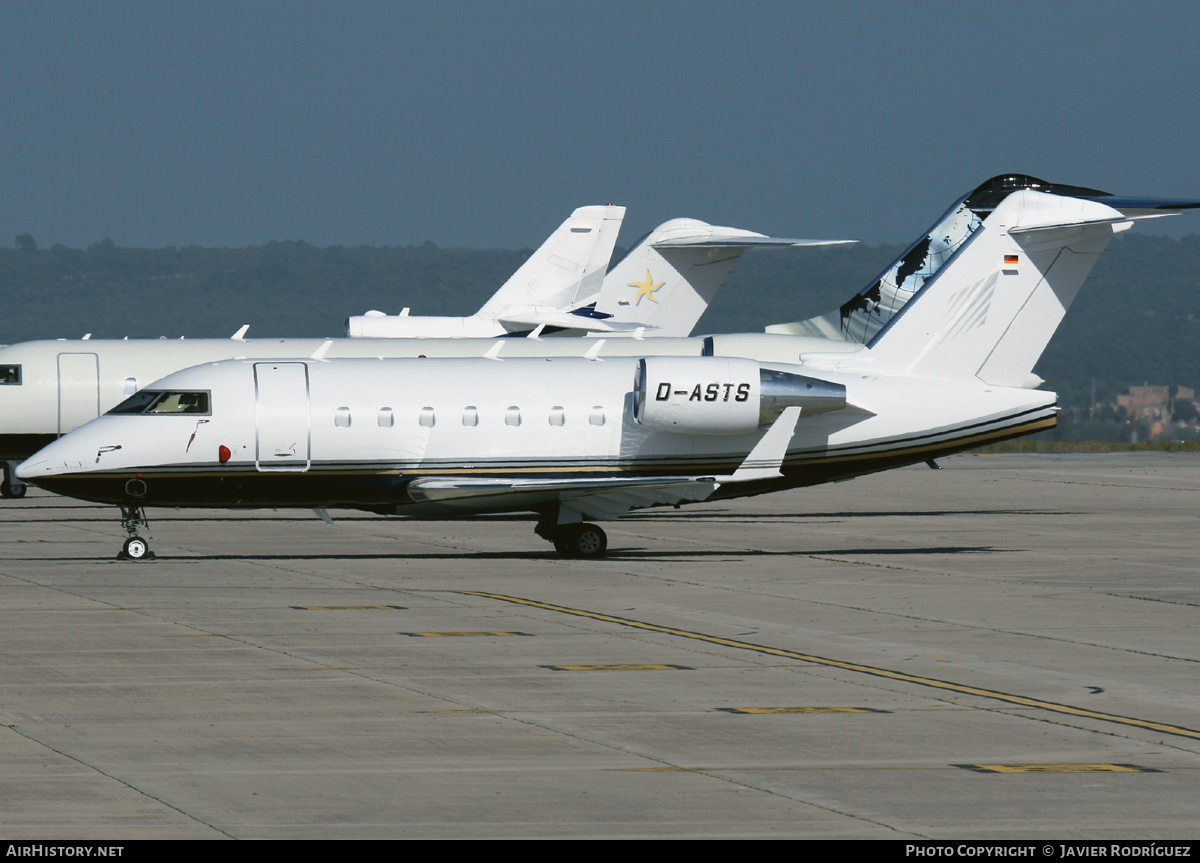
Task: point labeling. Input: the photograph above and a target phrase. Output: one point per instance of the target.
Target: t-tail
(668, 277)
(981, 293)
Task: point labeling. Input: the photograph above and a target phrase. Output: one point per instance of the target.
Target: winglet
(319, 353)
(493, 353)
(240, 335)
(594, 350)
(766, 458)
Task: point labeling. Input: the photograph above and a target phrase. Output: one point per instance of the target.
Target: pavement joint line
(127, 783)
(944, 685)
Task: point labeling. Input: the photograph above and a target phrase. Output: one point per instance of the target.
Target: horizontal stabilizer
(1115, 221)
(1133, 206)
(755, 241)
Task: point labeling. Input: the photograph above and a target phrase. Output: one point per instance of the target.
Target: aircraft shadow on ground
(613, 555)
(776, 516)
(634, 517)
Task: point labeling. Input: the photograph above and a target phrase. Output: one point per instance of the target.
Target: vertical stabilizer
(991, 312)
(980, 295)
(568, 267)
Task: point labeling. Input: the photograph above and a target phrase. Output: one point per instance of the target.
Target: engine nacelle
(723, 395)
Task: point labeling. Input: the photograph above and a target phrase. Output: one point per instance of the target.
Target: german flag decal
(1010, 260)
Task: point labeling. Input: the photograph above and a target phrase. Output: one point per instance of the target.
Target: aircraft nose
(68, 466)
(61, 456)
(37, 465)
(28, 468)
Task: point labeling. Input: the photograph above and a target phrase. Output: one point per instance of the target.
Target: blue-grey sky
(483, 124)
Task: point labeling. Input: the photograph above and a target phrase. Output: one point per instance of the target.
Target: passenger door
(281, 414)
(78, 390)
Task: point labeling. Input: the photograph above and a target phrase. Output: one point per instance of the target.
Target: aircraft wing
(603, 498)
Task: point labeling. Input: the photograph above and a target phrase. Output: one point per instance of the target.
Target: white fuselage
(356, 432)
(61, 384)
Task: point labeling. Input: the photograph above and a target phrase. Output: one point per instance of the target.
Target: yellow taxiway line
(944, 685)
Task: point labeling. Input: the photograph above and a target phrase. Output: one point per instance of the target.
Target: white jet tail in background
(567, 269)
(668, 278)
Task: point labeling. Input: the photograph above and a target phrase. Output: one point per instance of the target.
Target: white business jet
(939, 368)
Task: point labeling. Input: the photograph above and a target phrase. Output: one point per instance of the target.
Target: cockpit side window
(180, 403)
(160, 402)
(136, 403)
(10, 375)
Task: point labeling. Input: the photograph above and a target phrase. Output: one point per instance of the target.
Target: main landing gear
(580, 540)
(133, 519)
(10, 486)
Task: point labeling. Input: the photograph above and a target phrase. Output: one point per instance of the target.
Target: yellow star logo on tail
(646, 289)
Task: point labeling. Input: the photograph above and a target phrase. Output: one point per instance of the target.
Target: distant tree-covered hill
(1137, 320)
(280, 289)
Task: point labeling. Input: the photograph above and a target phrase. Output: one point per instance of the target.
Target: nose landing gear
(133, 518)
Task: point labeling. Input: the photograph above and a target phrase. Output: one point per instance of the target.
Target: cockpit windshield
(160, 402)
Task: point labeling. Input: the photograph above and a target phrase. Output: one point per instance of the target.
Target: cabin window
(385, 418)
(160, 402)
(557, 417)
(427, 419)
(129, 386)
(512, 416)
(10, 375)
(596, 417)
(470, 416)
(341, 417)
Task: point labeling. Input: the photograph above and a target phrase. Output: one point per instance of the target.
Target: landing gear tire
(10, 485)
(133, 520)
(585, 541)
(136, 548)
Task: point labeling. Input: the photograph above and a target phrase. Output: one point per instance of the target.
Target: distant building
(1155, 408)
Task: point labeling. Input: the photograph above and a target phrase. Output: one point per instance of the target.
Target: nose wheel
(135, 548)
(133, 519)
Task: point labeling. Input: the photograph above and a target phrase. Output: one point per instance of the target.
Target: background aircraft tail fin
(567, 268)
(669, 276)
